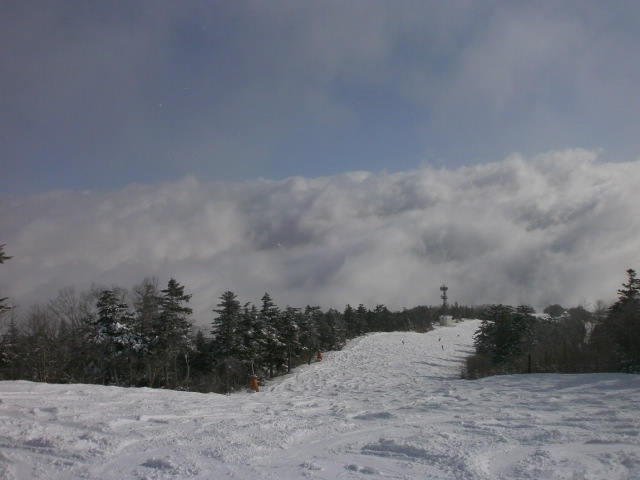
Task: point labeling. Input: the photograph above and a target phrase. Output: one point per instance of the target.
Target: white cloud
(559, 227)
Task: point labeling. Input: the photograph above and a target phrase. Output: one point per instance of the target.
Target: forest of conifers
(146, 337)
(96, 337)
(514, 340)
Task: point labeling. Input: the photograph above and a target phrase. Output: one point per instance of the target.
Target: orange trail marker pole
(253, 379)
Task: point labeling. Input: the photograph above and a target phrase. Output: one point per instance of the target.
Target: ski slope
(388, 406)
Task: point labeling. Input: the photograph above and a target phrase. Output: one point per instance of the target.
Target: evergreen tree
(630, 294)
(224, 326)
(334, 334)
(147, 299)
(201, 356)
(622, 325)
(274, 347)
(498, 334)
(350, 321)
(483, 338)
(309, 338)
(113, 338)
(524, 323)
(360, 320)
(251, 338)
(12, 352)
(380, 320)
(555, 310)
(290, 333)
(174, 329)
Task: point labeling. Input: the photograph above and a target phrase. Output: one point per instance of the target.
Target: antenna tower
(445, 305)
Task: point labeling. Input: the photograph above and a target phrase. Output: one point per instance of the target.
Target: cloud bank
(559, 227)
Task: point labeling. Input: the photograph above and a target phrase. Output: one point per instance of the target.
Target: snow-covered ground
(390, 405)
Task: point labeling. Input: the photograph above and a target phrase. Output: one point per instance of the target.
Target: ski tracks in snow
(379, 395)
(388, 406)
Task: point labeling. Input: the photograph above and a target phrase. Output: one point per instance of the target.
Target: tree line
(515, 340)
(97, 337)
(147, 337)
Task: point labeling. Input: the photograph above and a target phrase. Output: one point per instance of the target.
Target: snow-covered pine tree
(349, 320)
(113, 339)
(335, 330)
(225, 327)
(146, 303)
(309, 337)
(274, 346)
(174, 330)
(290, 333)
(251, 338)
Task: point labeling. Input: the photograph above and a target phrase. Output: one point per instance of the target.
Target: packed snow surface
(389, 405)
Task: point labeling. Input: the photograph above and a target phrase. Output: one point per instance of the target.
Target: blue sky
(99, 95)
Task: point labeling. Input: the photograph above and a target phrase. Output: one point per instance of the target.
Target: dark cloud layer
(559, 227)
(98, 95)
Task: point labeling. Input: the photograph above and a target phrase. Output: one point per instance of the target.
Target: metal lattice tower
(445, 305)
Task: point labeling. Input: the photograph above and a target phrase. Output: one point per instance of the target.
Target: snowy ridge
(390, 405)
